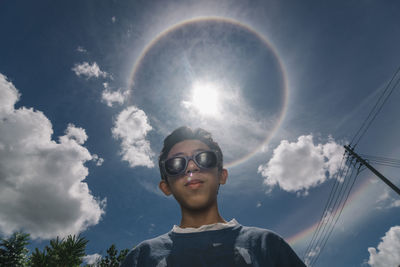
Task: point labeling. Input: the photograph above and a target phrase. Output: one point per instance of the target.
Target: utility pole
(366, 164)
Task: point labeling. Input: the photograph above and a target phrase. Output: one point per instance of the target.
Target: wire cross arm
(362, 161)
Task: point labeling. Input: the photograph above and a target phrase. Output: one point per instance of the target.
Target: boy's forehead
(187, 147)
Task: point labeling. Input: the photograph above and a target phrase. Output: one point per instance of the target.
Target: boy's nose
(192, 167)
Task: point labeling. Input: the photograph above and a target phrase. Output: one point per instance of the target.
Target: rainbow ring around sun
(205, 101)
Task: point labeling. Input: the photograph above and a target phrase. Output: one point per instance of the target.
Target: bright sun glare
(205, 98)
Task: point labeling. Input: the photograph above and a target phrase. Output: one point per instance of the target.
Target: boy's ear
(223, 176)
(164, 187)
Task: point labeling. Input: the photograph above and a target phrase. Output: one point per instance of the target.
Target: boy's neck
(195, 219)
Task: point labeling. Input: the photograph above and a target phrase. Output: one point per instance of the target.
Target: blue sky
(89, 89)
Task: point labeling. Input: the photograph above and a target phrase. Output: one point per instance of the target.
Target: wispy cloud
(81, 49)
(388, 251)
(113, 19)
(386, 201)
(151, 228)
(131, 127)
(41, 181)
(85, 69)
(111, 97)
(219, 108)
(301, 165)
(310, 255)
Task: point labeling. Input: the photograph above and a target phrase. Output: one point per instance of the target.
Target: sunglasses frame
(187, 159)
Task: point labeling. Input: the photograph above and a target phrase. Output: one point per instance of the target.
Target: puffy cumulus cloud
(110, 97)
(131, 127)
(388, 252)
(85, 69)
(92, 259)
(9, 95)
(41, 181)
(300, 165)
(78, 134)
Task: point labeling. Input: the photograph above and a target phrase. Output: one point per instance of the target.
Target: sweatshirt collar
(203, 228)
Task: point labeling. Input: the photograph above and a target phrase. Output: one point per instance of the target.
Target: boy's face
(196, 188)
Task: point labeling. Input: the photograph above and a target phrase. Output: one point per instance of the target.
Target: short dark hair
(186, 133)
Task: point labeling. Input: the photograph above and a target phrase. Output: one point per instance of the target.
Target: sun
(205, 98)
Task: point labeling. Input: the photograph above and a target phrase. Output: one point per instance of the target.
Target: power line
(383, 161)
(342, 187)
(336, 201)
(377, 108)
(387, 164)
(391, 162)
(346, 194)
(376, 172)
(327, 205)
(332, 213)
(326, 217)
(379, 158)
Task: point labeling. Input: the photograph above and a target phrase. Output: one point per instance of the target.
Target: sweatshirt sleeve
(131, 259)
(280, 253)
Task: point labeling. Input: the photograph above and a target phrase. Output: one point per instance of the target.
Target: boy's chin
(198, 205)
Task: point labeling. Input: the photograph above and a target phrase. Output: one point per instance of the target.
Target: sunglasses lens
(175, 166)
(206, 159)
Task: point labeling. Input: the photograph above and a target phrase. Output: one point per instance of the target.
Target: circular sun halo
(205, 98)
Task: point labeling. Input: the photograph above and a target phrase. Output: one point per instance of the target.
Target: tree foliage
(61, 253)
(13, 251)
(113, 259)
(64, 252)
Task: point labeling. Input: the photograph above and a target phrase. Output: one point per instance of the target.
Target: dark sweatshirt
(233, 246)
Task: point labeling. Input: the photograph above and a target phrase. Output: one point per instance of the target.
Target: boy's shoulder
(149, 251)
(253, 232)
(159, 242)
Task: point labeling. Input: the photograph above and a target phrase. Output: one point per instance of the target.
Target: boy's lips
(193, 182)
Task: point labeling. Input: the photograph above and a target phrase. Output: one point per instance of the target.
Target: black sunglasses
(177, 165)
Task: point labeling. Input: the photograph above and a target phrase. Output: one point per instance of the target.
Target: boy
(191, 167)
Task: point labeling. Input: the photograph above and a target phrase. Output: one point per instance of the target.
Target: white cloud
(99, 161)
(88, 70)
(310, 255)
(92, 259)
(395, 204)
(81, 49)
(387, 201)
(77, 134)
(131, 128)
(113, 19)
(388, 252)
(9, 95)
(301, 165)
(41, 181)
(111, 97)
(151, 228)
